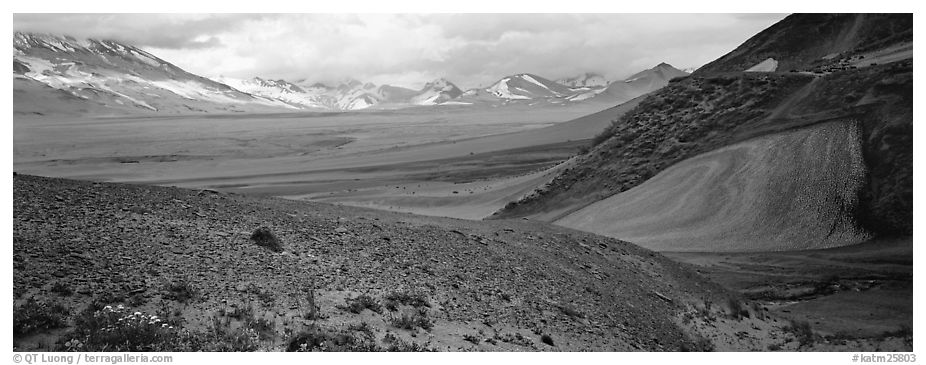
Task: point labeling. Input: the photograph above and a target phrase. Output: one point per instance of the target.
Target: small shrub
(264, 238)
(703, 344)
(61, 289)
(120, 329)
(242, 313)
(760, 312)
(108, 298)
(34, 316)
(313, 311)
(515, 338)
(737, 310)
(417, 300)
(265, 328)
(396, 344)
(801, 331)
(472, 339)
(418, 318)
(571, 311)
(363, 328)
(181, 290)
(221, 337)
(136, 300)
(706, 312)
(305, 341)
(603, 136)
(547, 339)
(358, 304)
(266, 297)
(324, 339)
(774, 347)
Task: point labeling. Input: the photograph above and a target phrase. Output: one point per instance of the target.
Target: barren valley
(762, 202)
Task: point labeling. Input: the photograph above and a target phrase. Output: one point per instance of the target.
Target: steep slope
(784, 191)
(813, 41)
(509, 282)
(118, 77)
(707, 111)
(700, 114)
(679, 121)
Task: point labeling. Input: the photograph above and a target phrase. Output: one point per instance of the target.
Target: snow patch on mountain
(500, 89)
(535, 82)
(768, 65)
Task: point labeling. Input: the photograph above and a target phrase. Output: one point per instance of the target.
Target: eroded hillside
(703, 113)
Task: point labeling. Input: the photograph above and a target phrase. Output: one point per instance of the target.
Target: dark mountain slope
(720, 105)
(805, 41)
(702, 113)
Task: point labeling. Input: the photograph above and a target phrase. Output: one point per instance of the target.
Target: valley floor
(446, 161)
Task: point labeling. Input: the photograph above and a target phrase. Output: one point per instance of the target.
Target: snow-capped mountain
(63, 74)
(111, 77)
(588, 79)
(436, 92)
(527, 87)
(287, 92)
(389, 94)
(348, 95)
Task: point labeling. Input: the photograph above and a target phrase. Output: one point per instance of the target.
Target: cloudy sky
(410, 49)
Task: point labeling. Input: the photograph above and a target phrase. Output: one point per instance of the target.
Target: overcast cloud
(410, 49)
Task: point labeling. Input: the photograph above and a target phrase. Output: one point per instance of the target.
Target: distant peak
(440, 82)
(663, 66)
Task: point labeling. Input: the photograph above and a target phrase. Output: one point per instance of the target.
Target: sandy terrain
(781, 192)
(467, 200)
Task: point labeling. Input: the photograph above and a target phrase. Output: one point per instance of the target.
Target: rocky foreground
(109, 267)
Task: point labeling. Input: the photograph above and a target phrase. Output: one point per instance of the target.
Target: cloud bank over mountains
(412, 49)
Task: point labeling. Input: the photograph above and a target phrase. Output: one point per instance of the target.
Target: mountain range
(62, 74)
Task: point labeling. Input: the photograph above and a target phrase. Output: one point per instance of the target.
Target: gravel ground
(120, 243)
